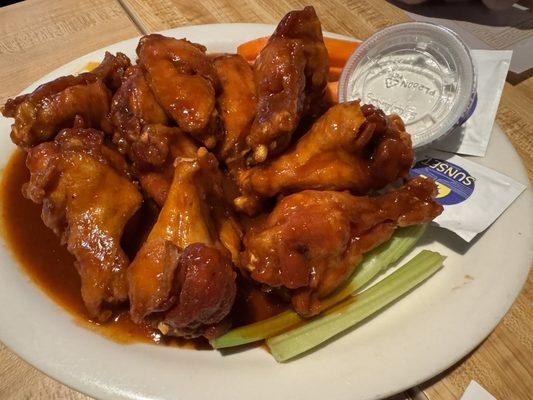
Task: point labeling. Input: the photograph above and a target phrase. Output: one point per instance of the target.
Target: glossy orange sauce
(51, 267)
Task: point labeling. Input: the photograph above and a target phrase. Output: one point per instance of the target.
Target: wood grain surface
(38, 36)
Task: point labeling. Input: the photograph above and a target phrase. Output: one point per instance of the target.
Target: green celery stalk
(374, 262)
(355, 309)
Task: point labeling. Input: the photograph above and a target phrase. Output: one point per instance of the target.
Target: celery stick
(355, 309)
(374, 262)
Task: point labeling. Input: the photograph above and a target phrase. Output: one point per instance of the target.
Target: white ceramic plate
(415, 339)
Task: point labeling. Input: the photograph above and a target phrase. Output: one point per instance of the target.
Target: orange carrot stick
(334, 74)
(333, 91)
(249, 50)
(339, 50)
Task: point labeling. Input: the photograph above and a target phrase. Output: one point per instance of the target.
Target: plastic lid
(420, 71)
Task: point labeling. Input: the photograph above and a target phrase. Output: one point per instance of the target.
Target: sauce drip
(51, 267)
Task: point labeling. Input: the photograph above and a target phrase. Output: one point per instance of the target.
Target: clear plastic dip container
(420, 71)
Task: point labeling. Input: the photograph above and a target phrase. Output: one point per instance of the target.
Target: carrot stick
(338, 49)
(250, 50)
(333, 91)
(334, 74)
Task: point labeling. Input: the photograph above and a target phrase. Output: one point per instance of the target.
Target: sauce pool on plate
(51, 267)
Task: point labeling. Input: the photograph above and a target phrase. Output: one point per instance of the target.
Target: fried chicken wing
(237, 105)
(349, 147)
(291, 74)
(55, 105)
(184, 81)
(151, 273)
(161, 280)
(313, 240)
(87, 200)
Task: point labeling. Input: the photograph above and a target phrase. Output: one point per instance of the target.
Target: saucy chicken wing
(162, 280)
(349, 147)
(313, 240)
(58, 104)
(291, 74)
(236, 105)
(184, 82)
(55, 105)
(141, 132)
(87, 200)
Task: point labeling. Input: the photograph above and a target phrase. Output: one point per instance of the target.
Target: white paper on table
(472, 138)
(475, 391)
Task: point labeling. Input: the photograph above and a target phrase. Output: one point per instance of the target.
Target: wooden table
(36, 36)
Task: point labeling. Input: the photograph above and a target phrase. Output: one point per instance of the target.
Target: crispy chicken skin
(291, 76)
(349, 147)
(236, 104)
(313, 240)
(87, 199)
(161, 280)
(190, 98)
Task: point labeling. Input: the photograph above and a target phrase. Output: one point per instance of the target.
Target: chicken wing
(236, 105)
(141, 132)
(349, 147)
(160, 280)
(87, 200)
(190, 98)
(183, 220)
(55, 105)
(313, 240)
(291, 76)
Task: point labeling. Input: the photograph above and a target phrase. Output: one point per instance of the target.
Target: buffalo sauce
(51, 267)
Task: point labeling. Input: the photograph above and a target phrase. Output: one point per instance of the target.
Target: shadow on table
(472, 11)
(8, 2)
(424, 386)
(514, 78)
